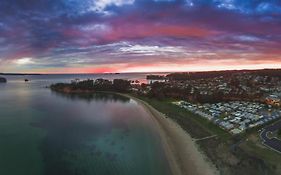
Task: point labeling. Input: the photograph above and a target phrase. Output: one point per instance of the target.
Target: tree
(103, 85)
(121, 85)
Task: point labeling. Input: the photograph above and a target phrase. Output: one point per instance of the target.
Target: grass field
(196, 126)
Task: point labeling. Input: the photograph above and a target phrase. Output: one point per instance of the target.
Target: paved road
(272, 143)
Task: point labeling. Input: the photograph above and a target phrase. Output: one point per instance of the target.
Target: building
(273, 100)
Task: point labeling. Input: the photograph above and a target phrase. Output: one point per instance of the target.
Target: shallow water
(42, 132)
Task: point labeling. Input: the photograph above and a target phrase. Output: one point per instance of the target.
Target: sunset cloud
(134, 35)
(24, 61)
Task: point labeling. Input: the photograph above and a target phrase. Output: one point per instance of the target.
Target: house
(273, 100)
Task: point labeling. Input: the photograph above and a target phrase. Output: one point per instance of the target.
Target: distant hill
(21, 74)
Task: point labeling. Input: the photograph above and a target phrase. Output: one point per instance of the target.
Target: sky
(100, 36)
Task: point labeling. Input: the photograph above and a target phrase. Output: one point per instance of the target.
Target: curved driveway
(273, 143)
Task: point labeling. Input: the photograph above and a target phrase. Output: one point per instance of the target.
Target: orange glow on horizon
(164, 67)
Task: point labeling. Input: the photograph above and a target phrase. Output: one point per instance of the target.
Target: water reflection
(79, 134)
(74, 145)
(100, 96)
(107, 137)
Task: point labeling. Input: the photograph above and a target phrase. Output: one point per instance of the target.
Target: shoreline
(183, 154)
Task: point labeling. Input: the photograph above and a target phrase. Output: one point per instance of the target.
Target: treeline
(155, 77)
(269, 72)
(117, 85)
(213, 74)
(161, 90)
(198, 75)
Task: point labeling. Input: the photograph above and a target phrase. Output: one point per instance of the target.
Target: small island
(3, 80)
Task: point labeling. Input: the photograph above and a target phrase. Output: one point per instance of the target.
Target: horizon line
(34, 73)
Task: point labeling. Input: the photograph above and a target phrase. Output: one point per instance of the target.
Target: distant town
(233, 100)
(262, 86)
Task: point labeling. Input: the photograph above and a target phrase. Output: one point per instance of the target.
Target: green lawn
(194, 124)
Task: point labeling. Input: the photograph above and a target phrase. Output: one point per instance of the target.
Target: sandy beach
(182, 152)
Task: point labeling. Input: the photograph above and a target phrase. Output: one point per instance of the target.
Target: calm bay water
(46, 133)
